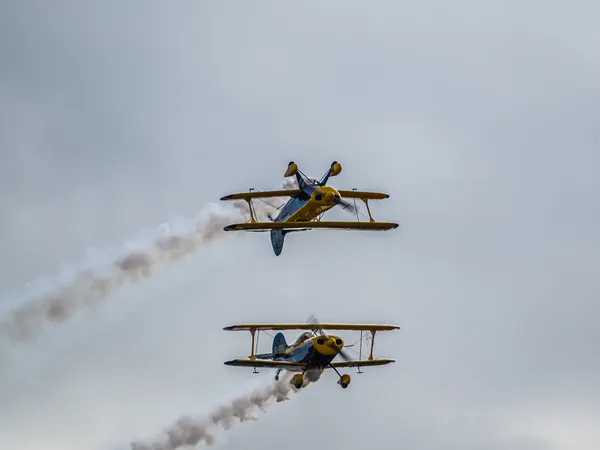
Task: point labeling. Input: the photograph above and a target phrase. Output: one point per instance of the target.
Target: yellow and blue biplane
(313, 351)
(306, 206)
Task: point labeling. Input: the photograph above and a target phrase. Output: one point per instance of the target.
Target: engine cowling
(329, 346)
(326, 195)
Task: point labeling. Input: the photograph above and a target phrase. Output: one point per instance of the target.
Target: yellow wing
(263, 194)
(266, 226)
(309, 326)
(363, 195)
(287, 365)
(295, 366)
(363, 363)
(295, 192)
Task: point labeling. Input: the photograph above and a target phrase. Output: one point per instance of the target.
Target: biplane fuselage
(306, 206)
(310, 352)
(316, 352)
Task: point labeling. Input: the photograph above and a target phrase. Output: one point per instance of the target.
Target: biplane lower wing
(268, 226)
(363, 363)
(294, 366)
(262, 194)
(287, 365)
(309, 326)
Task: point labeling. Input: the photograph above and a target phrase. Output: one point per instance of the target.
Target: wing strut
(252, 332)
(358, 220)
(372, 344)
(251, 208)
(366, 201)
(360, 348)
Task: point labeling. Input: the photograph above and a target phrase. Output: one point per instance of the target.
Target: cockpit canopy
(303, 337)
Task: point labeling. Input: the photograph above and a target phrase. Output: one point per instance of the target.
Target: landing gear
(297, 380)
(344, 380)
(277, 374)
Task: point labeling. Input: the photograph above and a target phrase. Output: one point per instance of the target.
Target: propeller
(313, 320)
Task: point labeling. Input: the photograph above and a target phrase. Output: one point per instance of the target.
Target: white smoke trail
(58, 299)
(189, 431)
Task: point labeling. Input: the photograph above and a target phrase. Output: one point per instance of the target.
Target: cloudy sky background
(479, 119)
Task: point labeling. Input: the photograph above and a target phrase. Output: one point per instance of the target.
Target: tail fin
(279, 344)
(277, 238)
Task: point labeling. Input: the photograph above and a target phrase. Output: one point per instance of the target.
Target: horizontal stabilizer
(266, 226)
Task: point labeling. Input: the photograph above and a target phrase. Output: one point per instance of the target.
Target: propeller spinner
(339, 201)
(330, 343)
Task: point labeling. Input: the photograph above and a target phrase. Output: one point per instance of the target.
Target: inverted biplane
(306, 206)
(313, 351)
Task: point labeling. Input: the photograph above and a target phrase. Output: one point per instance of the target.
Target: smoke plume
(58, 299)
(189, 431)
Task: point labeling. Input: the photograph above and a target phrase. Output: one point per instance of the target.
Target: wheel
(297, 381)
(345, 381)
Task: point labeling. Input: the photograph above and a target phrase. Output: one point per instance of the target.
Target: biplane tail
(279, 344)
(277, 239)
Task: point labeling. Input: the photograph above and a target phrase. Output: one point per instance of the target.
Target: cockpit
(303, 337)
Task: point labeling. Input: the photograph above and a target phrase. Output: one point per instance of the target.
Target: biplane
(313, 350)
(306, 206)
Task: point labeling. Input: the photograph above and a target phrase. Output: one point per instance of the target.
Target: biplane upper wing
(363, 363)
(308, 326)
(263, 194)
(363, 195)
(266, 226)
(287, 365)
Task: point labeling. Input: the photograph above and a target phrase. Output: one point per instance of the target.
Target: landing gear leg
(344, 380)
(277, 374)
(298, 379)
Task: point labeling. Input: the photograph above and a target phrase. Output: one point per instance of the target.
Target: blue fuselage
(306, 353)
(292, 205)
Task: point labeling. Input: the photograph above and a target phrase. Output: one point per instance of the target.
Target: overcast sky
(481, 121)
